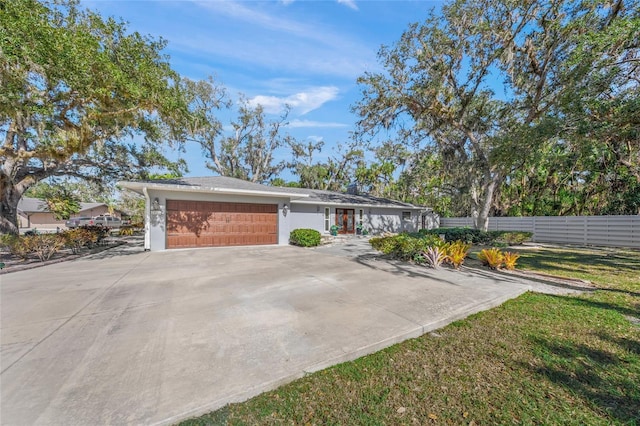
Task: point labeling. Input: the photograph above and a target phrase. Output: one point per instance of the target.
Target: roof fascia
(386, 206)
(138, 187)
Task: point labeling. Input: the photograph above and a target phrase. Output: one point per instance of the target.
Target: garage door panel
(211, 224)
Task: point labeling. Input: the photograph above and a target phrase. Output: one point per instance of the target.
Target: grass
(538, 359)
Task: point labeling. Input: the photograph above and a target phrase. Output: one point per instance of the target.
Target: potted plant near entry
(334, 230)
(359, 228)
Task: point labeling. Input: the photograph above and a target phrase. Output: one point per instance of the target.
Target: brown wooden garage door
(210, 224)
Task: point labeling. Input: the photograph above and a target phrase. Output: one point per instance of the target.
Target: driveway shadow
(128, 248)
(361, 252)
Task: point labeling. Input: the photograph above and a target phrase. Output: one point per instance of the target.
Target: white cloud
(259, 34)
(298, 124)
(349, 3)
(302, 102)
(252, 15)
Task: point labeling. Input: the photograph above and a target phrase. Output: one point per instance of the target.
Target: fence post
(585, 227)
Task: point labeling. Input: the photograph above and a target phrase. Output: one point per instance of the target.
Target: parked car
(107, 221)
(103, 220)
(74, 222)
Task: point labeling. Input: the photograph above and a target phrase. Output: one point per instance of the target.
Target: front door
(345, 220)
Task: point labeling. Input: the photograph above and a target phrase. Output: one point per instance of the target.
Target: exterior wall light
(285, 209)
(156, 204)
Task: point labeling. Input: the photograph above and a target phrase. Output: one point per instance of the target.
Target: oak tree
(80, 96)
(489, 82)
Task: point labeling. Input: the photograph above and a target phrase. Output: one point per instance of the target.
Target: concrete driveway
(152, 338)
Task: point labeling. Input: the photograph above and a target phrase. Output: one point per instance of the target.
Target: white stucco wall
(376, 220)
(156, 220)
(308, 217)
(380, 220)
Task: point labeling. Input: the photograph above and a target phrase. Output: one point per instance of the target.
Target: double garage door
(211, 224)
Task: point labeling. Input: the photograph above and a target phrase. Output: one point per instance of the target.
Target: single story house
(34, 213)
(224, 211)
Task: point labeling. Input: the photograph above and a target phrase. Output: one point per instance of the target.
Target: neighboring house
(34, 213)
(223, 211)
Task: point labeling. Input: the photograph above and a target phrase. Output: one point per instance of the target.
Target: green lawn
(538, 359)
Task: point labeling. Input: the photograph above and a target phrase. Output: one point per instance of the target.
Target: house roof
(218, 184)
(35, 205)
(222, 184)
(317, 196)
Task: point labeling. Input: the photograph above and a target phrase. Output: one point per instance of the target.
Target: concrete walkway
(132, 337)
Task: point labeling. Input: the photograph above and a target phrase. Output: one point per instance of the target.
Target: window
(327, 217)
(406, 215)
(360, 216)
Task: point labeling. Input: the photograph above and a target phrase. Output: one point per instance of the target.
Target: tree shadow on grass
(601, 377)
(590, 303)
(617, 290)
(573, 261)
(630, 345)
(550, 258)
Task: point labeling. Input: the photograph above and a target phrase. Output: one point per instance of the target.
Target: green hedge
(475, 236)
(405, 246)
(511, 238)
(305, 237)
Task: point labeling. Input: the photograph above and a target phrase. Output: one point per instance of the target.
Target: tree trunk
(9, 198)
(482, 202)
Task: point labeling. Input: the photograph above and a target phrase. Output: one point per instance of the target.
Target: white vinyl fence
(615, 231)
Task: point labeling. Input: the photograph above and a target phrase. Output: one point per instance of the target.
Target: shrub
(466, 235)
(126, 231)
(44, 246)
(406, 246)
(382, 244)
(100, 232)
(510, 259)
(492, 257)
(434, 256)
(457, 252)
(16, 246)
(305, 237)
(511, 238)
(475, 236)
(77, 238)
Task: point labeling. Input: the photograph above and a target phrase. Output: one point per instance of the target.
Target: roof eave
(334, 203)
(138, 187)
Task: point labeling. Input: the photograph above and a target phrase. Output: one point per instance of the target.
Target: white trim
(147, 219)
(326, 219)
(259, 193)
(351, 205)
(140, 186)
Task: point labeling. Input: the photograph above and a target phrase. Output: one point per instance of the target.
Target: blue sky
(307, 54)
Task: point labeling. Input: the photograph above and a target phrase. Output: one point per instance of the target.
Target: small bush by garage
(305, 237)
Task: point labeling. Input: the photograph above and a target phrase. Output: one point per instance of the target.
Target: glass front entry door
(345, 220)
